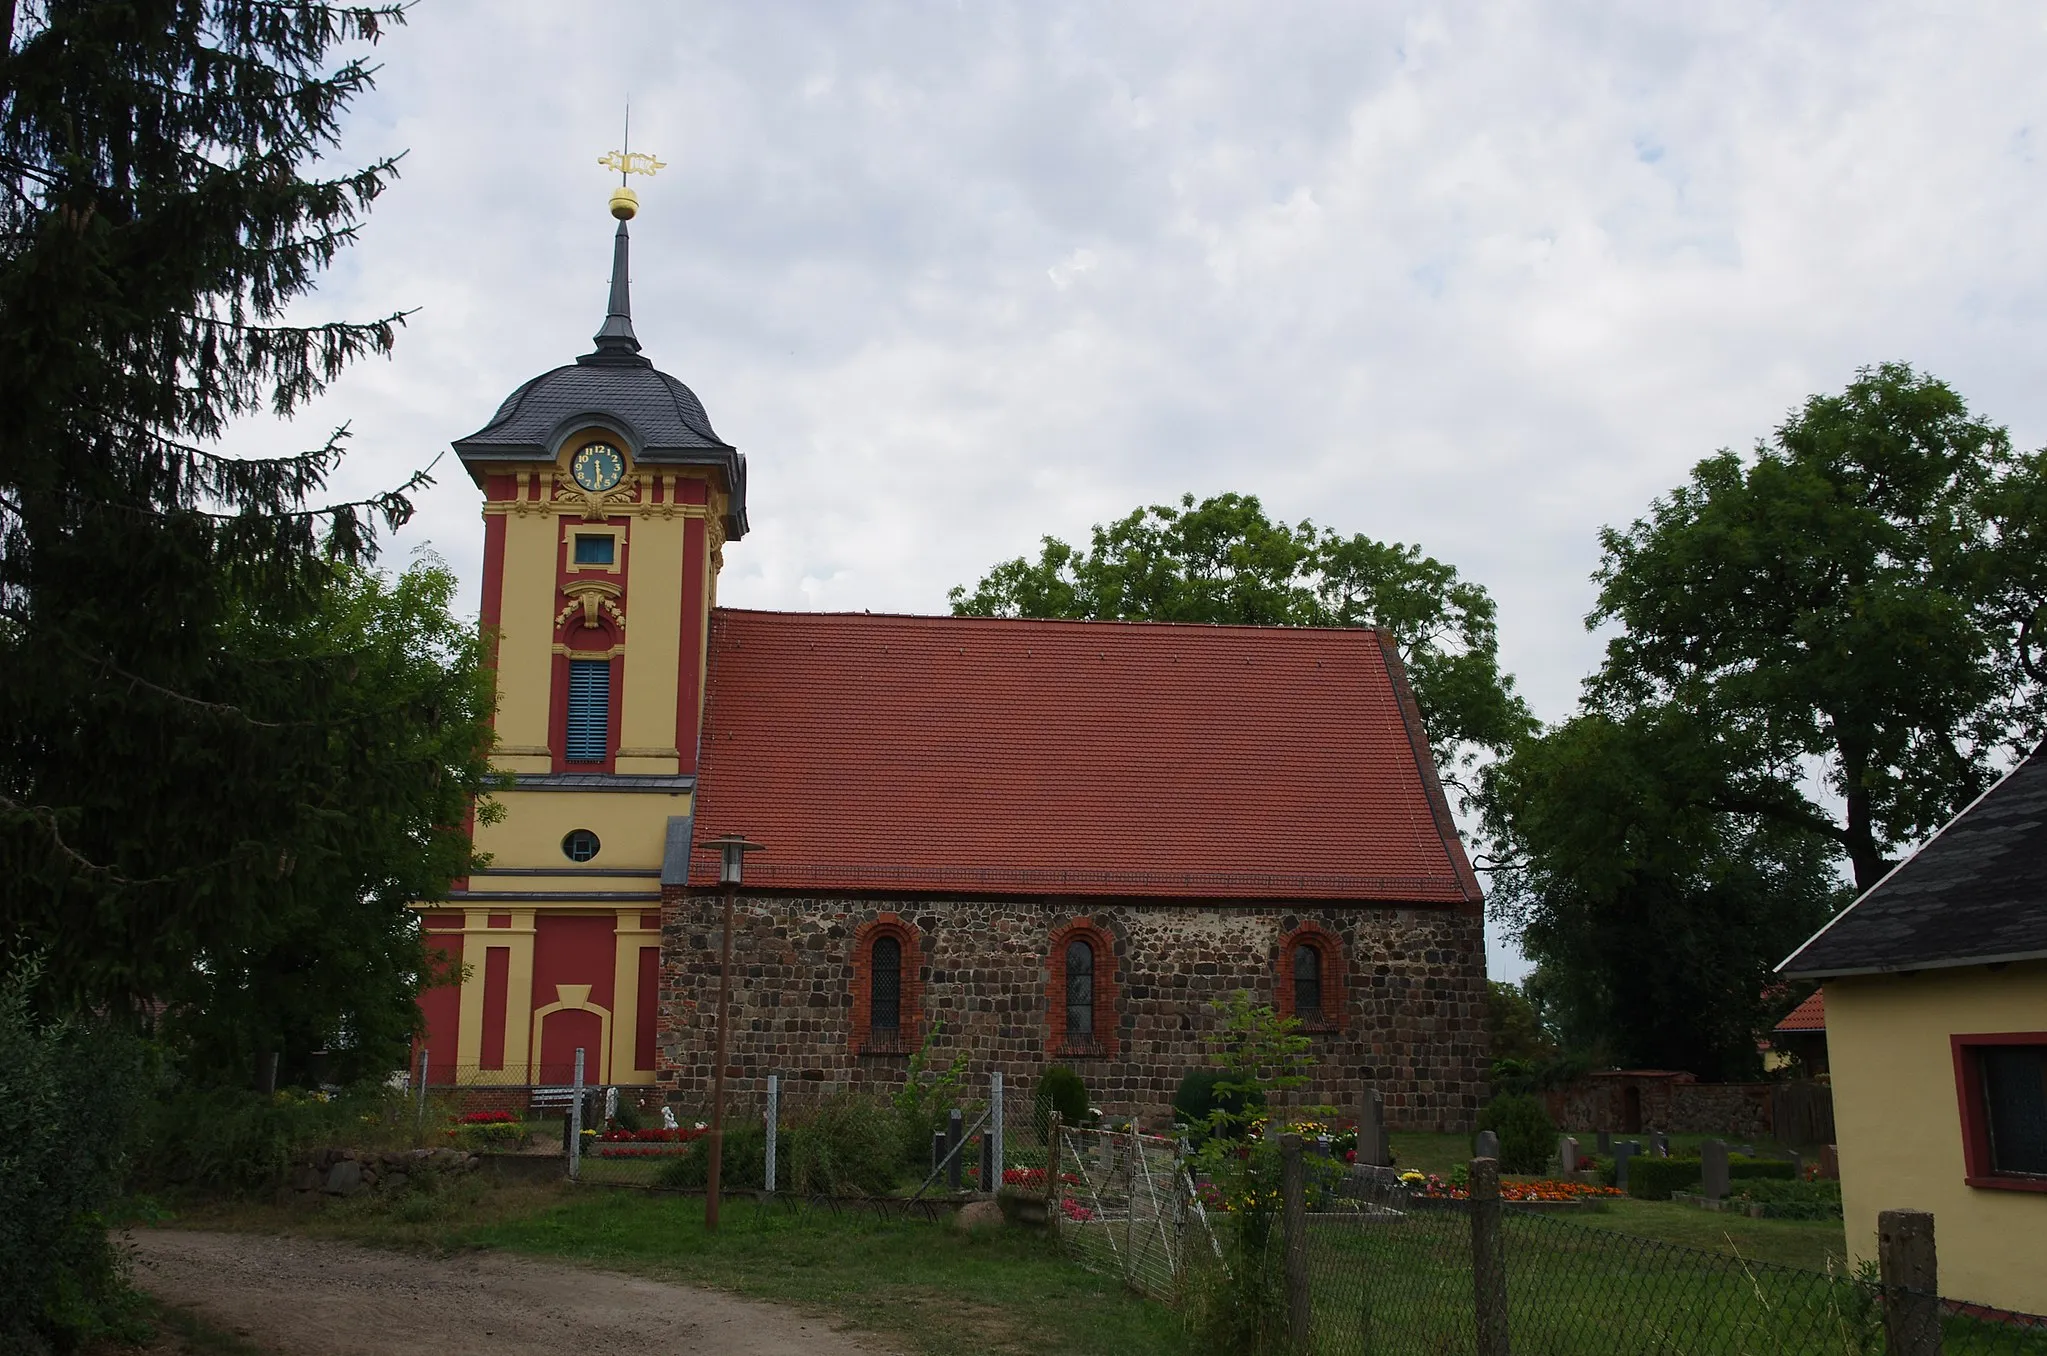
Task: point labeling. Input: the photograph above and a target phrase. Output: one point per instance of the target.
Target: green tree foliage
(1528, 1137)
(1224, 561)
(1856, 597)
(1513, 1025)
(1819, 654)
(227, 755)
(68, 1095)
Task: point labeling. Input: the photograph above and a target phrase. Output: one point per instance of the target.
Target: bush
(1528, 1136)
(68, 1094)
(743, 1166)
(1196, 1098)
(1062, 1091)
(1741, 1169)
(236, 1142)
(848, 1146)
(1793, 1199)
(1655, 1179)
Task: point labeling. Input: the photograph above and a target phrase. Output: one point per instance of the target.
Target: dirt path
(304, 1297)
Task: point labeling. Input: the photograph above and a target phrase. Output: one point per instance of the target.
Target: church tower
(608, 500)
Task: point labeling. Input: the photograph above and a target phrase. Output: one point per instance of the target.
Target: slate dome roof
(661, 420)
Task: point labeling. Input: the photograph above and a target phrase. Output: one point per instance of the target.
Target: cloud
(956, 276)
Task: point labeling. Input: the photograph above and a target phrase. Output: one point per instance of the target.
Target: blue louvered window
(589, 709)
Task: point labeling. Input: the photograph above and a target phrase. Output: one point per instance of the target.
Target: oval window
(580, 846)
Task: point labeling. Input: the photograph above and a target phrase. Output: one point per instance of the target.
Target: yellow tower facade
(608, 499)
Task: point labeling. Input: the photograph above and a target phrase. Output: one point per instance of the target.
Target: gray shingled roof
(661, 419)
(1976, 893)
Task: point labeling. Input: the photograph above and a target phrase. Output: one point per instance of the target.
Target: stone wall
(1628, 1102)
(1413, 997)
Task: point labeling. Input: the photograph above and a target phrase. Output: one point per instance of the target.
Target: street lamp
(732, 850)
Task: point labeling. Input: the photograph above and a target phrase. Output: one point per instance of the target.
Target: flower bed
(658, 1135)
(1548, 1191)
(617, 1150)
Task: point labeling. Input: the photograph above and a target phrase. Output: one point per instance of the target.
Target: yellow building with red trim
(1936, 1031)
(608, 499)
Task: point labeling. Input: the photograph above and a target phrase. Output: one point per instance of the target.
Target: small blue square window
(594, 549)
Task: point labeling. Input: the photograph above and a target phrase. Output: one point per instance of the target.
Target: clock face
(598, 467)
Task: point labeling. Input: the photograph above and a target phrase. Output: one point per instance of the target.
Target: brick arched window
(1309, 984)
(888, 987)
(1081, 992)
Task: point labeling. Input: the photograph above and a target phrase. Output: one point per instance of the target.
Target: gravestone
(1373, 1149)
(1567, 1154)
(1606, 1144)
(1622, 1152)
(1797, 1164)
(1713, 1170)
(1830, 1163)
(1659, 1144)
(1488, 1145)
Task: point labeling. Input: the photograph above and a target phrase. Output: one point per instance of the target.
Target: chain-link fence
(1372, 1265)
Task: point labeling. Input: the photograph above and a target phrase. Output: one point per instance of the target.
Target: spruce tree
(203, 750)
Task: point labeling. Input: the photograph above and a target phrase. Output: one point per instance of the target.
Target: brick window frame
(910, 1009)
(1334, 1003)
(1106, 1042)
(1979, 1169)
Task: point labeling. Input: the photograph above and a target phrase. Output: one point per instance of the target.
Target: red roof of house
(997, 756)
(1811, 1015)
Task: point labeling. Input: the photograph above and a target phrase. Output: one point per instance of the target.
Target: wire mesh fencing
(1123, 1204)
(1376, 1266)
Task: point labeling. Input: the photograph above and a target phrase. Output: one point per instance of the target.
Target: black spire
(617, 345)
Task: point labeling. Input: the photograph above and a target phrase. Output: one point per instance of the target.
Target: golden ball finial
(624, 203)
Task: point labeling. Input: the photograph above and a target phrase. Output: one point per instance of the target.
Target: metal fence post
(423, 1053)
(1052, 1174)
(1911, 1299)
(1488, 1258)
(576, 1121)
(995, 1129)
(774, 1127)
(1293, 1223)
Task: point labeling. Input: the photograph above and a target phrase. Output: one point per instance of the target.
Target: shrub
(742, 1167)
(1527, 1135)
(1794, 1199)
(1061, 1090)
(68, 1093)
(1654, 1179)
(1197, 1099)
(236, 1142)
(1747, 1169)
(850, 1144)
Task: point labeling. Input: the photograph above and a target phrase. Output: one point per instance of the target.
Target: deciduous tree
(1225, 561)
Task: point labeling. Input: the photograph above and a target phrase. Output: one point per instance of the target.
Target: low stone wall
(348, 1172)
(1629, 1103)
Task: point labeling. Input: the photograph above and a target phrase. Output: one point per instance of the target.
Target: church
(1040, 842)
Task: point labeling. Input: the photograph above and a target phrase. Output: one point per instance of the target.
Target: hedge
(1654, 1179)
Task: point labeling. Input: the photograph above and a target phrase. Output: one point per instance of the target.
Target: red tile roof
(993, 756)
(1811, 1015)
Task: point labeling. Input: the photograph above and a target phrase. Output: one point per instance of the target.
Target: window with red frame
(885, 988)
(2002, 1082)
(1308, 984)
(1080, 990)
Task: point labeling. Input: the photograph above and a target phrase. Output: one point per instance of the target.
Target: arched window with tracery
(1309, 985)
(1080, 989)
(1081, 992)
(885, 987)
(888, 987)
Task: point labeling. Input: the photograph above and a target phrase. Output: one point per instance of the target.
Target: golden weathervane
(624, 202)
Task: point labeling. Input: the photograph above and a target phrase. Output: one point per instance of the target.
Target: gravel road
(304, 1297)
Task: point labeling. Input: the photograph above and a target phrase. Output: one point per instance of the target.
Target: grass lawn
(1811, 1244)
(925, 1285)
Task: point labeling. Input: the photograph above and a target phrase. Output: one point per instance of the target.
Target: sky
(1483, 278)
